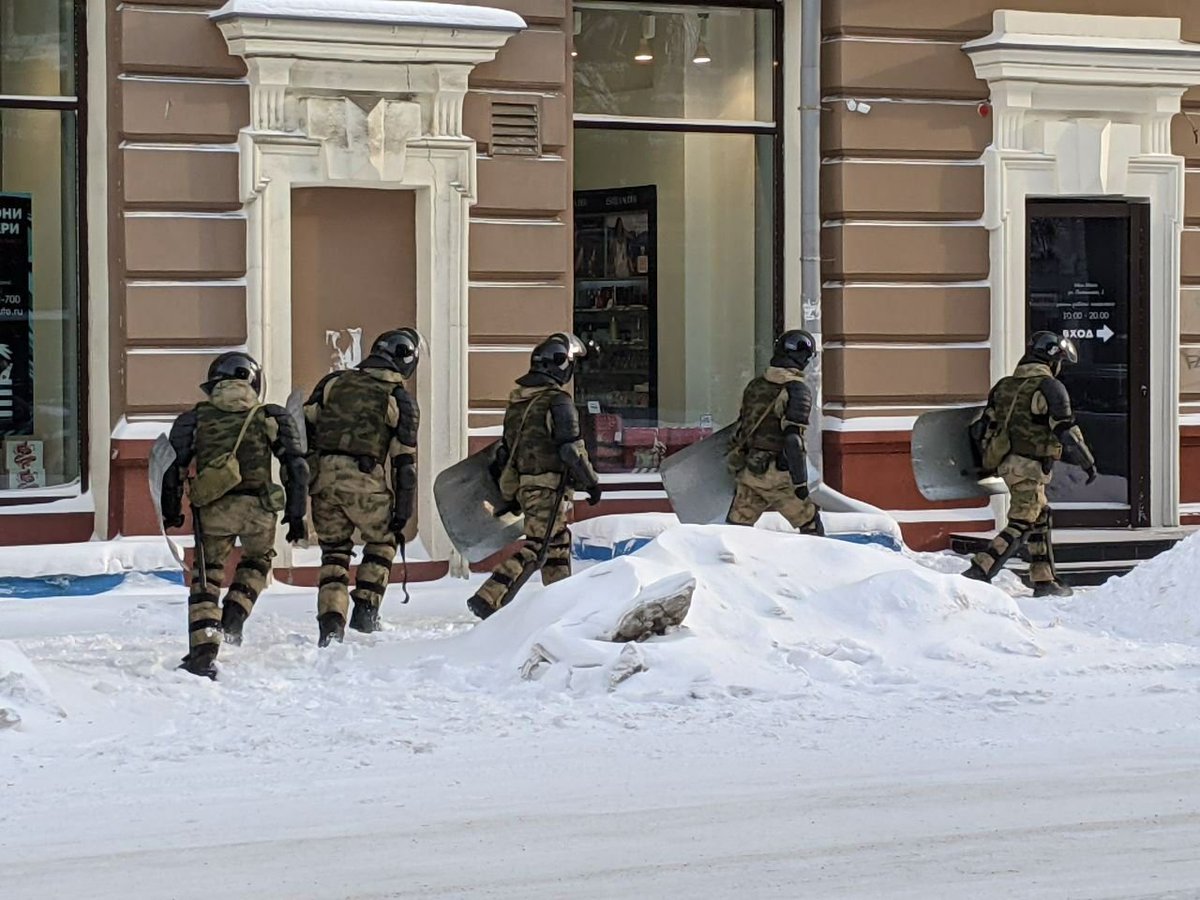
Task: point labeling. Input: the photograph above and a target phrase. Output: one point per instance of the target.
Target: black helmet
(234, 365)
(398, 350)
(794, 349)
(1052, 349)
(556, 355)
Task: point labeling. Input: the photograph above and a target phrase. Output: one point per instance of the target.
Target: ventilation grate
(515, 129)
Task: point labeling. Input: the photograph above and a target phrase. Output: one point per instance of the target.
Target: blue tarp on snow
(70, 585)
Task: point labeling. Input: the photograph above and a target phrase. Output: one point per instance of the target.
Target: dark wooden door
(1087, 277)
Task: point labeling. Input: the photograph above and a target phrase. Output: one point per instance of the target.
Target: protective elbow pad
(795, 456)
(1075, 448)
(576, 462)
(404, 482)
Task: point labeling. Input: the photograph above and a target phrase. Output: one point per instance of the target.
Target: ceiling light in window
(644, 53)
(701, 56)
(576, 32)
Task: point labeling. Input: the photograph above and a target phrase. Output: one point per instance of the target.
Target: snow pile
(24, 694)
(1158, 601)
(604, 537)
(770, 613)
(149, 554)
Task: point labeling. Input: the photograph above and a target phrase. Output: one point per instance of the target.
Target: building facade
(919, 183)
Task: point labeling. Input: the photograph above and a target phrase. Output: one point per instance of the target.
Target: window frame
(775, 129)
(76, 105)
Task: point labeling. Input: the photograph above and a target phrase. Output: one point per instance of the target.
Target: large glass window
(676, 238)
(40, 408)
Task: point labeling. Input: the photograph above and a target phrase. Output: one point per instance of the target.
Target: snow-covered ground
(833, 720)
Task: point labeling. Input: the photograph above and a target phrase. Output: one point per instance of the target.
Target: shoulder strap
(749, 435)
(245, 425)
(1012, 406)
(512, 451)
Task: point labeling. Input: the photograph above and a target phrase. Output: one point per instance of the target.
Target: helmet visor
(575, 347)
(1070, 353)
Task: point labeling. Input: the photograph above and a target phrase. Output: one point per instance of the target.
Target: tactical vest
(217, 431)
(354, 417)
(527, 435)
(758, 401)
(1029, 437)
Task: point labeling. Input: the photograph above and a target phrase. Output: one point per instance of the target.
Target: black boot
(975, 573)
(814, 526)
(201, 661)
(233, 617)
(364, 617)
(480, 607)
(1052, 589)
(333, 628)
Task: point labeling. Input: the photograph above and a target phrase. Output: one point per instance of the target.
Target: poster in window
(16, 318)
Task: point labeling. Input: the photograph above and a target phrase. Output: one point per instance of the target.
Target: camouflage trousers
(543, 522)
(1028, 522)
(771, 491)
(234, 517)
(348, 502)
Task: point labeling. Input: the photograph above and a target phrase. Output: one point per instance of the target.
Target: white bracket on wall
(1082, 106)
(366, 94)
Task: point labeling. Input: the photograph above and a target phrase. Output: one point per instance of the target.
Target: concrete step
(1088, 556)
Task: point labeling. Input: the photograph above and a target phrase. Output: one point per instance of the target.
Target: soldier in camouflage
(362, 435)
(1041, 429)
(538, 461)
(767, 455)
(233, 422)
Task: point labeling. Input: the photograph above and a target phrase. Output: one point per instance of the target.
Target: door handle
(1145, 391)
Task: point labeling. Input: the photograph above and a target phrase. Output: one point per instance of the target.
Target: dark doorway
(1088, 278)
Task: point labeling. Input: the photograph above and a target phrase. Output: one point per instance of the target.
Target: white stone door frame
(366, 94)
(1082, 108)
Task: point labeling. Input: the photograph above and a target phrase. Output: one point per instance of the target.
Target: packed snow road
(833, 721)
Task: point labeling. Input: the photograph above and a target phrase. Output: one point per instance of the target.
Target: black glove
(297, 532)
(1092, 474)
(594, 493)
(801, 491)
(510, 506)
(173, 520)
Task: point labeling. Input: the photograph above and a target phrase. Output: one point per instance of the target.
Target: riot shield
(700, 486)
(697, 481)
(295, 408)
(162, 457)
(943, 459)
(467, 499)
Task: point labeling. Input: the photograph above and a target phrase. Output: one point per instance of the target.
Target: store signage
(16, 318)
(1104, 333)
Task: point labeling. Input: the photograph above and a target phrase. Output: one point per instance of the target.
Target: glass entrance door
(1087, 278)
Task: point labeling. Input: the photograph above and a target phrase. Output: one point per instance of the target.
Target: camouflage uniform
(362, 427)
(766, 479)
(247, 513)
(541, 446)
(1041, 430)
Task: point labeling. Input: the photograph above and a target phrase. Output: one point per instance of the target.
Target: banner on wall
(16, 314)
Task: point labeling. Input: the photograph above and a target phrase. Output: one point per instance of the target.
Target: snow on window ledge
(381, 12)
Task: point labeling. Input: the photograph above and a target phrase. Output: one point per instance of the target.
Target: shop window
(676, 239)
(40, 409)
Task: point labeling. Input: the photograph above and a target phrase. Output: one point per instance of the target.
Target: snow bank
(770, 612)
(1158, 601)
(148, 554)
(605, 537)
(24, 695)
